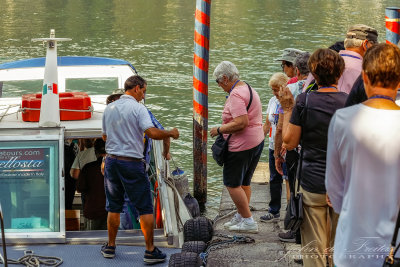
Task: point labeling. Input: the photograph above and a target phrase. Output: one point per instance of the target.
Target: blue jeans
(275, 185)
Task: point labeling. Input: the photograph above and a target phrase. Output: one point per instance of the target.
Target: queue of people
(344, 160)
(333, 118)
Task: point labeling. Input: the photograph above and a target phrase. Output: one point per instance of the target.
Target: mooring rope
(33, 260)
(169, 181)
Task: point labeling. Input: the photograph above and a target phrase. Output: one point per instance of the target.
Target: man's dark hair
(99, 147)
(339, 45)
(133, 81)
(326, 66)
(112, 98)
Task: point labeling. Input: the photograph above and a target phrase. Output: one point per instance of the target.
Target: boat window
(104, 86)
(29, 186)
(18, 88)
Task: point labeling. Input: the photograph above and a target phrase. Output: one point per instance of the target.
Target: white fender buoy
(50, 106)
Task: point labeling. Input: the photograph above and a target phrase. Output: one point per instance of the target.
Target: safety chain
(220, 243)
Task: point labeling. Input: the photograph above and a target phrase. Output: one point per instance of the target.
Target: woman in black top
(308, 127)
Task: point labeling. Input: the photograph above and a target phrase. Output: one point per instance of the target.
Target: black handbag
(294, 213)
(390, 260)
(220, 147)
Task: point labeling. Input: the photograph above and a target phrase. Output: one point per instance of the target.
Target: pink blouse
(235, 106)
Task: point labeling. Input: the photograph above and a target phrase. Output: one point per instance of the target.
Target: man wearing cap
(359, 38)
(287, 58)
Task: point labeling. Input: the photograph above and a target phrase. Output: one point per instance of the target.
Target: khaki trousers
(317, 230)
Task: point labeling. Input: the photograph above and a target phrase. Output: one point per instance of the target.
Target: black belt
(123, 158)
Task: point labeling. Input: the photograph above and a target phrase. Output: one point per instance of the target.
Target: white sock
(249, 220)
(238, 216)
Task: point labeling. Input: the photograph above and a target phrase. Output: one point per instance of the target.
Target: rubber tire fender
(198, 229)
(185, 259)
(194, 246)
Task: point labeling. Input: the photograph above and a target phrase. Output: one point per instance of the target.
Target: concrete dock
(267, 250)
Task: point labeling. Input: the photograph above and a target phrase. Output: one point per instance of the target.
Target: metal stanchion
(3, 237)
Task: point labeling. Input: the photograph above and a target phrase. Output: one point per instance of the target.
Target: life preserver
(73, 106)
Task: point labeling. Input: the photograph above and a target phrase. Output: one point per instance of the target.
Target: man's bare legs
(146, 224)
(112, 227)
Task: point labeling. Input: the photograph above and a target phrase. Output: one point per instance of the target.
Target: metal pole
(3, 237)
(200, 98)
(392, 17)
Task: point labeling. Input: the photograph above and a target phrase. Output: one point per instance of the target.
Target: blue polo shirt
(124, 122)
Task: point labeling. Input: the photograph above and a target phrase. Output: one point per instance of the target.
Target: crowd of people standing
(333, 118)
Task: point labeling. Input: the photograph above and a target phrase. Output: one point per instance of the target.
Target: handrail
(3, 237)
(161, 168)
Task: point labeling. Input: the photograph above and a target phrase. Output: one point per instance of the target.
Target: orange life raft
(78, 103)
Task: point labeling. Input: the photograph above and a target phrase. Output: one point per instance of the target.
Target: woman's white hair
(278, 79)
(227, 69)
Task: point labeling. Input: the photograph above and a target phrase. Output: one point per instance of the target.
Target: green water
(156, 36)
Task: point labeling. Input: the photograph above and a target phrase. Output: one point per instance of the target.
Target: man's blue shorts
(239, 166)
(122, 176)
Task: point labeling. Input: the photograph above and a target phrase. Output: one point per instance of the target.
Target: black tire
(198, 229)
(194, 246)
(185, 259)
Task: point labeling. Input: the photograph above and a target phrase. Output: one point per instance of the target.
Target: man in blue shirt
(124, 122)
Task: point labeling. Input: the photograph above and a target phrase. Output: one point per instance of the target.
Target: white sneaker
(232, 222)
(244, 227)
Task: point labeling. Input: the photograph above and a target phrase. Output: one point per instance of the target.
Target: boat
(32, 155)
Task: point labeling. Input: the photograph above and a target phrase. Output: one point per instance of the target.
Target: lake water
(156, 36)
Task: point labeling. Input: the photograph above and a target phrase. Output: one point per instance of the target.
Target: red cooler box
(68, 100)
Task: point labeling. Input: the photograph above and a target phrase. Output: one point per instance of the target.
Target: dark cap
(362, 32)
(289, 54)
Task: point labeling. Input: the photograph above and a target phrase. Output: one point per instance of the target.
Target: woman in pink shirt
(242, 117)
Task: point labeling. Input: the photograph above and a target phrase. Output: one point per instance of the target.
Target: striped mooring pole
(392, 17)
(200, 98)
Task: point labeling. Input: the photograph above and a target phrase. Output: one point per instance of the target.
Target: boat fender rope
(89, 109)
(169, 181)
(32, 260)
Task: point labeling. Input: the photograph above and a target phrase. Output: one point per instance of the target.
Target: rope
(33, 260)
(90, 109)
(169, 181)
(219, 243)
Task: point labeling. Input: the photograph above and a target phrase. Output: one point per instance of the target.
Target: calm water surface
(156, 36)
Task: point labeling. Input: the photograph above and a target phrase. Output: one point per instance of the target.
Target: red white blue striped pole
(200, 98)
(392, 17)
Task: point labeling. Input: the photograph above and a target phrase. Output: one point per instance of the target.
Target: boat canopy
(65, 61)
(68, 68)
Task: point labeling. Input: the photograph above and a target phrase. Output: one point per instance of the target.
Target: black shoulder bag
(220, 147)
(294, 213)
(390, 260)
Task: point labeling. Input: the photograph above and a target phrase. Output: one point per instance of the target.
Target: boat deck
(88, 255)
(267, 250)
